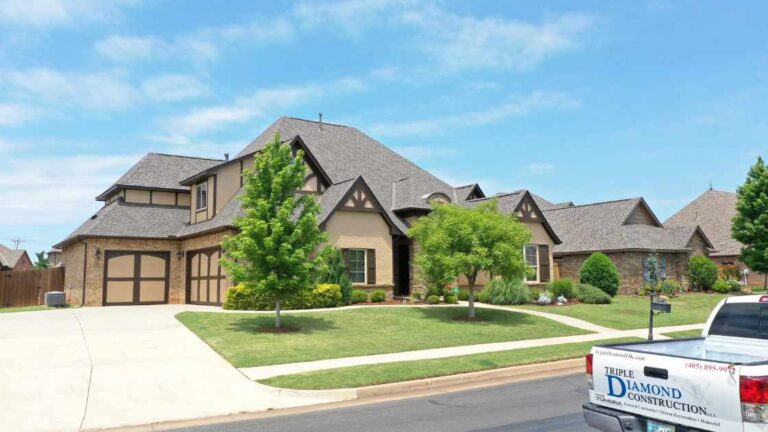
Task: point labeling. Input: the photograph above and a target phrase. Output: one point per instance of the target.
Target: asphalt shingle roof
(712, 211)
(601, 227)
(9, 257)
(161, 171)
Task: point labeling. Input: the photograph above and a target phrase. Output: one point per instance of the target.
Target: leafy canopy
(702, 273)
(278, 233)
(750, 225)
(467, 241)
(41, 262)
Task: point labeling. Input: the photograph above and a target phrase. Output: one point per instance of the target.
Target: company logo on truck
(622, 384)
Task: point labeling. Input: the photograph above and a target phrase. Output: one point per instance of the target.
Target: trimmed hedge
(451, 299)
(598, 270)
(592, 295)
(378, 296)
(433, 299)
(359, 296)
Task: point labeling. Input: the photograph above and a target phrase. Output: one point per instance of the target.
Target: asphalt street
(553, 404)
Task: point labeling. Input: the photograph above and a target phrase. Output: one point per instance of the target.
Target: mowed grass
(25, 309)
(631, 312)
(359, 376)
(684, 334)
(363, 331)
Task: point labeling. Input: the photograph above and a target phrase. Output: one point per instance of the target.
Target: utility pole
(16, 242)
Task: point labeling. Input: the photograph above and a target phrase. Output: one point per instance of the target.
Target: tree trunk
(765, 282)
(471, 281)
(277, 314)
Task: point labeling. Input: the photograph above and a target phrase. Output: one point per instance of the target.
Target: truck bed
(716, 349)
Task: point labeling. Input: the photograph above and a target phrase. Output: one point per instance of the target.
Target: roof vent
(226, 156)
(321, 120)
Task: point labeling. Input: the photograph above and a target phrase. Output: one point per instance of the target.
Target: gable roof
(463, 193)
(10, 257)
(160, 171)
(607, 226)
(713, 211)
(345, 153)
(511, 203)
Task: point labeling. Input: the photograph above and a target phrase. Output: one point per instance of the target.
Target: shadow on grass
(484, 316)
(259, 324)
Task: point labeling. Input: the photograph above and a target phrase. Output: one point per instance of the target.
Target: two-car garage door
(136, 277)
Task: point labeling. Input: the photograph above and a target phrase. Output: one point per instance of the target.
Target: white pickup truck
(717, 382)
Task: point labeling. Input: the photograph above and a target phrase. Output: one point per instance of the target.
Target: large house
(14, 259)
(627, 231)
(713, 211)
(157, 237)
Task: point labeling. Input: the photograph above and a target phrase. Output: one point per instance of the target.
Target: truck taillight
(753, 392)
(590, 380)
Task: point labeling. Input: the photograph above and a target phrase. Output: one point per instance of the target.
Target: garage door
(207, 281)
(136, 277)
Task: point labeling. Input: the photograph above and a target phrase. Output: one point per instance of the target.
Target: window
(532, 258)
(748, 320)
(202, 195)
(646, 273)
(357, 265)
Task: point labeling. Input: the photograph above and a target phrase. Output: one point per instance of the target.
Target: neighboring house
(157, 238)
(14, 259)
(627, 231)
(55, 258)
(713, 211)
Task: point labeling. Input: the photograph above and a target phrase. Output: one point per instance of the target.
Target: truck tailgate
(696, 393)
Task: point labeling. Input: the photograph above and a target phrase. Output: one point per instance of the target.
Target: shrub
(451, 299)
(464, 295)
(433, 299)
(721, 286)
(729, 271)
(506, 292)
(378, 296)
(416, 296)
(240, 297)
(359, 296)
(562, 287)
(592, 295)
(331, 269)
(733, 285)
(702, 273)
(598, 270)
(434, 291)
(671, 288)
(246, 297)
(326, 296)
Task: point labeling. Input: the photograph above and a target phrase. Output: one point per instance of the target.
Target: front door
(135, 277)
(206, 282)
(403, 283)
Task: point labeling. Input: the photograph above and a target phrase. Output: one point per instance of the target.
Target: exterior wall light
(97, 253)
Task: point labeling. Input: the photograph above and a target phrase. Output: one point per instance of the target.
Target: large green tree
(278, 233)
(468, 241)
(750, 225)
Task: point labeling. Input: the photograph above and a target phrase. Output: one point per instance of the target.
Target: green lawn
(363, 331)
(24, 309)
(631, 312)
(684, 334)
(359, 376)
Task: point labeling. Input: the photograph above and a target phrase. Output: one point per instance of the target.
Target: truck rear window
(747, 320)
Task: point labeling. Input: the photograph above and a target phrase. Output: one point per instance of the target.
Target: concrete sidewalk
(264, 372)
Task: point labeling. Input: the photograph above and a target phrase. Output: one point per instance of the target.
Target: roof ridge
(499, 195)
(183, 156)
(315, 121)
(593, 204)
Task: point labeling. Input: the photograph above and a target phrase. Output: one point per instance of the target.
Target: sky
(577, 101)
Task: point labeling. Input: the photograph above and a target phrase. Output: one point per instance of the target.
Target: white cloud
(128, 48)
(538, 168)
(97, 90)
(14, 114)
(26, 197)
(180, 129)
(350, 16)
(174, 88)
(513, 107)
(48, 13)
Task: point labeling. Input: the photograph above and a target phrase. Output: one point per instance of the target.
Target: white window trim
(365, 266)
(538, 265)
(197, 196)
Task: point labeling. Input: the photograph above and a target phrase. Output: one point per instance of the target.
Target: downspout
(85, 269)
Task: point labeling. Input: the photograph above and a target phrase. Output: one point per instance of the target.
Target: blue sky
(581, 101)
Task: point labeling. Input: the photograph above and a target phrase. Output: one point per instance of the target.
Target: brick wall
(754, 280)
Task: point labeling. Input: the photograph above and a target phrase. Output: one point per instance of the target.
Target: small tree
(41, 262)
(331, 269)
(653, 264)
(598, 270)
(468, 241)
(702, 273)
(750, 225)
(279, 232)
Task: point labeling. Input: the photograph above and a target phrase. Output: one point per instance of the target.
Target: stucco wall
(227, 184)
(364, 230)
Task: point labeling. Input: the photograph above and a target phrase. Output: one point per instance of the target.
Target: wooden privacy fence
(28, 288)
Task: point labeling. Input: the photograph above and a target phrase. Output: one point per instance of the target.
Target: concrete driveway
(91, 368)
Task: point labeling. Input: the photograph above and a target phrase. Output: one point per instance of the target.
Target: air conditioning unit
(55, 299)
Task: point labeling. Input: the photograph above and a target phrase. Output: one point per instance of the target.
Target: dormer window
(201, 190)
